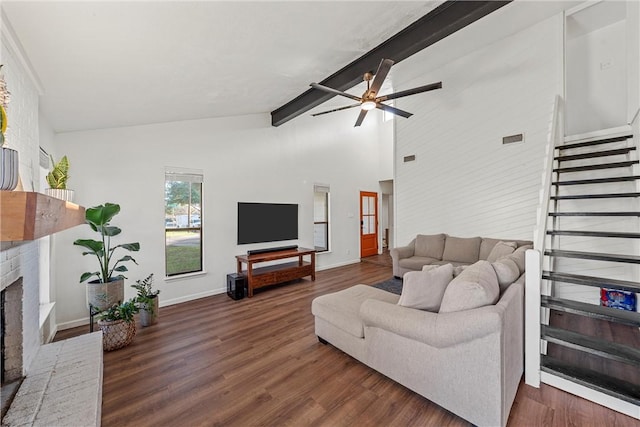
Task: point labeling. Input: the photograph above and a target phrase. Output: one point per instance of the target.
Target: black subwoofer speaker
(235, 286)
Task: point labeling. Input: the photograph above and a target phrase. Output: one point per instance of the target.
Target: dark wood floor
(219, 362)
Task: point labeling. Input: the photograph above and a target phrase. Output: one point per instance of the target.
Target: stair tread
(598, 180)
(591, 310)
(603, 348)
(594, 142)
(594, 213)
(596, 196)
(594, 154)
(595, 380)
(633, 259)
(598, 166)
(593, 234)
(600, 282)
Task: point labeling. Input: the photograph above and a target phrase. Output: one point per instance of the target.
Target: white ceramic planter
(103, 295)
(9, 165)
(66, 195)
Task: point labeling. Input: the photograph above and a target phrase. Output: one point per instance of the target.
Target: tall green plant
(59, 175)
(98, 218)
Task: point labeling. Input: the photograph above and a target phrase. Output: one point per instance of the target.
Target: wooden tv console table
(278, 273)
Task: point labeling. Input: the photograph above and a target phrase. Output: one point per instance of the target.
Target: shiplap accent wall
(464, 181)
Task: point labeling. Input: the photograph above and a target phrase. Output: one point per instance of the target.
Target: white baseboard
(340, 264)
(163, 303)
(186, 298)
(600, 398)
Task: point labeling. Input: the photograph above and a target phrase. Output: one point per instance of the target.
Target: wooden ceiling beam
(441, 22)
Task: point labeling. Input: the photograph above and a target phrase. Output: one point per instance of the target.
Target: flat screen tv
(267, 222)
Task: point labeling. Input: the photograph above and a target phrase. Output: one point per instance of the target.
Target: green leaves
(59, 175)
(98, 218)
(93, 245)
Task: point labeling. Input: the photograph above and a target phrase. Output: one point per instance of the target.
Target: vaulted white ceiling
(107, 64)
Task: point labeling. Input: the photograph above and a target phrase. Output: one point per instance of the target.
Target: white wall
(464, 181)
(243, 159)
(596, 67)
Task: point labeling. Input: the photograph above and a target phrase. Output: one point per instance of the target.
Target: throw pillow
(430, 246)
(501, 249)
(459, 269)
(461, 249)
(507, 272)
(476, 286)
(424, 289)
(518, 256)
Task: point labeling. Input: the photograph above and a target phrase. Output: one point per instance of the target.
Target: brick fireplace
(11, 331)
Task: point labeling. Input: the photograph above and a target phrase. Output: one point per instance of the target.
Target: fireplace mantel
(27, 215)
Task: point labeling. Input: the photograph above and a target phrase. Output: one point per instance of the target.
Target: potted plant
(108, 289)
(147, 301)
(57, 180)
(117, 325)
(9, 164)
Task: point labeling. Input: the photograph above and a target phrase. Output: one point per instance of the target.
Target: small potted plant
(147, 301)
(57, 180)
(108, 289)
(117, 325)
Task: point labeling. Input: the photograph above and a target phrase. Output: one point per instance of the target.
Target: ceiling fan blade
(334, 91)
(392, 110)
(337, 109)
(408, 92)
(360, 117)
(381, 74)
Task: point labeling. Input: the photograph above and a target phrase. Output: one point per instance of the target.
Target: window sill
(184, 276)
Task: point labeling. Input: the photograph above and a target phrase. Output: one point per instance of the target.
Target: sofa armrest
(403, 251)
(400, 253)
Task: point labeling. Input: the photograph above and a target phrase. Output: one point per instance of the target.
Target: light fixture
(368, 105)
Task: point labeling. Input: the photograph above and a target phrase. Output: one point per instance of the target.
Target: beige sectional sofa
(440, 249)
(464, 351)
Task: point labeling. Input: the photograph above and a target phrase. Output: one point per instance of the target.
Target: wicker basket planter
(116, 333)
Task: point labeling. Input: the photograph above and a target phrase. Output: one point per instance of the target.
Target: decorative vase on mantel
(60, 193)
(9, 165)
(57, 180)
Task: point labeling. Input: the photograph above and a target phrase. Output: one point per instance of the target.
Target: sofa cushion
(518, 256)
(501, 249)
(507, 272)
(424, 289)
(476, 286)
(341, 308)
(415, 262)
(486, 246)
(430, 246)
(461, 249)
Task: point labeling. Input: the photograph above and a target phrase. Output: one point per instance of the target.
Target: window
(321, 217)
(183, 221)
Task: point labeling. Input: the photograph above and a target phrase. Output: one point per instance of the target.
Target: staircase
(591, 242)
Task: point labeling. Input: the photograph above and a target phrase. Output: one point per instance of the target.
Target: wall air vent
(410, 158)
(513, 138)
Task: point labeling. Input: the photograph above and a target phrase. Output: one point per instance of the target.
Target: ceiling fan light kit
(369, 99)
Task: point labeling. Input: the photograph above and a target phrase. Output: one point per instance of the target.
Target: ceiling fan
(369, 99)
